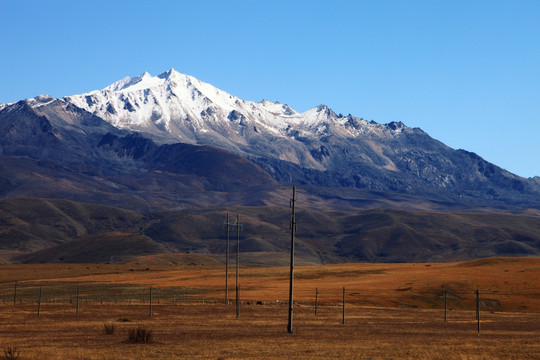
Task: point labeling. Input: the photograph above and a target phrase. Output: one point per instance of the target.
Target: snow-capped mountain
(316, 147)
(139, 122)
(142, 144)
(173, 107)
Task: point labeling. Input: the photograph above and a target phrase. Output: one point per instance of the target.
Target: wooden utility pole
(237, 266)
(227, 264)
(291, 276)
(15, 295)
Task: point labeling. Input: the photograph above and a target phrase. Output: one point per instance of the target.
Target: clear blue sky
(466, 72)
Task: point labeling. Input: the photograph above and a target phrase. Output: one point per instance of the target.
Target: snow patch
(177, 107)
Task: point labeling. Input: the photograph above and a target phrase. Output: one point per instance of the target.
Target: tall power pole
(227, 264)
(291, 277)
(227, 255)
(237, 266)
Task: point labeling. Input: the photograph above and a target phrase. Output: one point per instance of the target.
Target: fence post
(445, 307)
(343, 320)
(237, 301)
(478, 310)
(39, 301)
(150, 301)
(316, 300)
(77, 312)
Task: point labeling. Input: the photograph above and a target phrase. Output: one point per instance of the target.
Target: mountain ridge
(315, 148)
(336, 150)
(366, 191)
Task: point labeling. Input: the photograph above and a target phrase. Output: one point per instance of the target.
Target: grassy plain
(393, 311)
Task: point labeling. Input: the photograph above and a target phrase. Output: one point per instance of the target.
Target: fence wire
(133, 294)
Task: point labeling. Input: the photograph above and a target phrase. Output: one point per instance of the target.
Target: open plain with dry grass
(392, 311)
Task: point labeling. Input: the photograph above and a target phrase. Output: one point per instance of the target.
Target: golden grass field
(393, 311)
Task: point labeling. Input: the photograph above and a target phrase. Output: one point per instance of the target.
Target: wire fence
(121, 294)
(16, 293)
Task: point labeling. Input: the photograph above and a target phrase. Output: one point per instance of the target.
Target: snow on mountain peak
(169, 74)
(129, 82)
(177, 107)
(277, 108)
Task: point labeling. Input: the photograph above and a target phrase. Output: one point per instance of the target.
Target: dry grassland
(393, 311)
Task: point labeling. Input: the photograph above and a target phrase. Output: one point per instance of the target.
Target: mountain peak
(315, 147)
(167, 75)
(322, 112)
(142, 81)
(322, 107)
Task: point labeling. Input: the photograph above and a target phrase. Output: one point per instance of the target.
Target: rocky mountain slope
(317, 147)
(169, 147)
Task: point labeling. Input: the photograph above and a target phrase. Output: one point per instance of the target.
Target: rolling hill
(83, 232)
